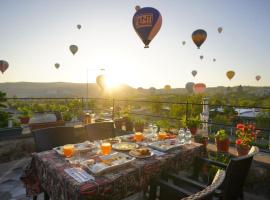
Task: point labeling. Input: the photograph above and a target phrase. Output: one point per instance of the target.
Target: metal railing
(150, 110)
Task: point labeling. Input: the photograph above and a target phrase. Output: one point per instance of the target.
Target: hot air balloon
(230, 74)
(147, 22)
(199, 88)
(73, 48)
(167, 87)
(194, 73)
(100, 80)
(79, 26)
(214, 60)
(258, 77)
(198, 37)
(137, 7)
(220, 29)
(3, 66)
(56, 65)
(184, 42)
(189, 87)
(201, 57)
(152, 90)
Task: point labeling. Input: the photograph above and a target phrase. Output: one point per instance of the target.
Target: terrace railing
(165, 113)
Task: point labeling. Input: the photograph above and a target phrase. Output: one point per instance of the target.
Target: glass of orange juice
(162, 135)
(106, 148)
(68, 150)
(138, 136)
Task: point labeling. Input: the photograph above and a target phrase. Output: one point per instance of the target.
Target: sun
(112, 80)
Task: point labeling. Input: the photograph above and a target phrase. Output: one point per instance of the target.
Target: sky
(36, 34)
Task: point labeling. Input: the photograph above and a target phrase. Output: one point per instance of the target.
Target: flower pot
(193, 130)
(202, 140)
(118, 124)
(223, 145)
(129, 126)
(24, 120)
(205, 142)
(139, 127)
(242, 150)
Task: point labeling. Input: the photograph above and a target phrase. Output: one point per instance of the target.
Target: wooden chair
(99, 130)
(236, 173)
(171, 191)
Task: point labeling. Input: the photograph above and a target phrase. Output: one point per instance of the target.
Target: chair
(236, 173)
(171, 191)
(48, 138)
(99, 130)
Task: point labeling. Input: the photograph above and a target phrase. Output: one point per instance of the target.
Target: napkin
(79, 174)
(158, 153)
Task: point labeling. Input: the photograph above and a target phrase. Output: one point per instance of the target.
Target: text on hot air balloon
(144, 20)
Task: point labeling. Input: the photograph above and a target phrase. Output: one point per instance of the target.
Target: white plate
(141, 156)
(164, 145)
(125, 146)
(121, 159)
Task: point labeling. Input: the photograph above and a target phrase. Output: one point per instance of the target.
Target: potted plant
(193, 123)
(128, 123)
(222, 141)
(25, 114)
(245, 134)
(202, 139)
(139, 125)
(118, 123)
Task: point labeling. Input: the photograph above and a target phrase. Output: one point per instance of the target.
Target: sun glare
(112, 81)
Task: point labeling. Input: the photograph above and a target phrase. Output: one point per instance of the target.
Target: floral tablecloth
(46, 172)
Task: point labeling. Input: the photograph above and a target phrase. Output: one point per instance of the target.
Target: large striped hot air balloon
(198, 37)
(199, 88)
(3, 66)
(147, 22)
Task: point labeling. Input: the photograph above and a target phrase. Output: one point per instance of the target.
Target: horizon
(124, 84)
(37, 34)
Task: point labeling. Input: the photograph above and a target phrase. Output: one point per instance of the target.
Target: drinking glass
(155, 128)
(181, 136)
(138, 136)
(106, 148)
(68, 150)
(162, 135)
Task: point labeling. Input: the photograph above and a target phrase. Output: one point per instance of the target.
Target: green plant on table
(192, 122)
(221, 135)
(139, 122)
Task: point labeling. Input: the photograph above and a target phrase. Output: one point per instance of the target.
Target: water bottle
(181, 136)
(188, 136)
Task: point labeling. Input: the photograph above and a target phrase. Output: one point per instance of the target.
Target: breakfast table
(47, 172)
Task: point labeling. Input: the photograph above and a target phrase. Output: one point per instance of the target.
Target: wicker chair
(99, 130)
(236, 173)
(171, 191)
(48, 138)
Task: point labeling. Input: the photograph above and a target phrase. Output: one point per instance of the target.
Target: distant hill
(63, 89)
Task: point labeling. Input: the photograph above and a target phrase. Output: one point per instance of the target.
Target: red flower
(238, 141)
(240, 126)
